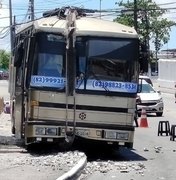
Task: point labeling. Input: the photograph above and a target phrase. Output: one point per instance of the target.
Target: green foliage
(151, 24)
(4, 59)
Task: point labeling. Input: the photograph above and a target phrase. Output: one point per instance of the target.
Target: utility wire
(48, 2)
(53, 4)
(5, 35)
(164, 4)
(105, 10)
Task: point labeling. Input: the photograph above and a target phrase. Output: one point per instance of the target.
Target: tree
(151, 25)
(4, 59)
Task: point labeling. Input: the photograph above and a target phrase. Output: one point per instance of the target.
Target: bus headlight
(40, 131)
(123, 136)
(51, 131)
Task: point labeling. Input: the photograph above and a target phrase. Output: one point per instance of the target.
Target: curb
(75, 172)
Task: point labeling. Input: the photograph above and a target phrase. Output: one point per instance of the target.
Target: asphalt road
(153, 157)
(154, 154)
(44, 163)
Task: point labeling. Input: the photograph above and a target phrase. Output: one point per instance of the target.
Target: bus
(74, 77)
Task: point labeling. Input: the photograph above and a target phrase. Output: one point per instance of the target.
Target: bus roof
(84, 26)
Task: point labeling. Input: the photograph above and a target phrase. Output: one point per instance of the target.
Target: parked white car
(146, 78)
(150, 99)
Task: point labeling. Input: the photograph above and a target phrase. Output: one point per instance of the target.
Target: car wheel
(159, 114)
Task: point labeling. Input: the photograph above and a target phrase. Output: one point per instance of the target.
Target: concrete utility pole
(100, 9)
(11, 26)
(0, 4)
(31, 9)
(135, 15)
(147, 41)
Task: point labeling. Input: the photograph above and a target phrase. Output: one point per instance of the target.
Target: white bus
(74, 77)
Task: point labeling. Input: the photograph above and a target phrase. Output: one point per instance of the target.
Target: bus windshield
(102, 64)
(48, 69)
(108, 64)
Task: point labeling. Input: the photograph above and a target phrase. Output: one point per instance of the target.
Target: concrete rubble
(105, 167)
(61, 162)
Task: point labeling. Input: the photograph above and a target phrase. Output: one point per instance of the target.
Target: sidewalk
(166, 90)
(60, 166)
(163, 89)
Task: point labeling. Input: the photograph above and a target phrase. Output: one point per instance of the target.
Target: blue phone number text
(48, 80)
(114, 85)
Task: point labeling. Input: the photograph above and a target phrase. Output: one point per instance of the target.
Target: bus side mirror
(19, 56)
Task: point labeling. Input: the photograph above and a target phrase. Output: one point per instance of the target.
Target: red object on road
(143, 121)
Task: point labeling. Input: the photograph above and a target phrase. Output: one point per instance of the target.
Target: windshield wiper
(99, 80)
(80, 79)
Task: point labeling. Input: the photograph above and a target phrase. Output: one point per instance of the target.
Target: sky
(20, 7)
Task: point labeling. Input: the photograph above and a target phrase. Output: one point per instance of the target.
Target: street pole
(100, 9)
(0, 4)
(156, 52)
(12, 34)
(32, 9)
(148, 42)
(11, 26)
(135, 15)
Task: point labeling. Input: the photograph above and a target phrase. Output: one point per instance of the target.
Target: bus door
(20, 98)
(19, 92)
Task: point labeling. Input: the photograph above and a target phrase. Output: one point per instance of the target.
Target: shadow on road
(102, 152)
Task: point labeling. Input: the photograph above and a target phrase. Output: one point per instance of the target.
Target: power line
(51, 2)
(104, 10)
(5, 34)
(117, 10)
(164, 4)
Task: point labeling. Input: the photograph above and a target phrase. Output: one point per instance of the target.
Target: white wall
(167, 73)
